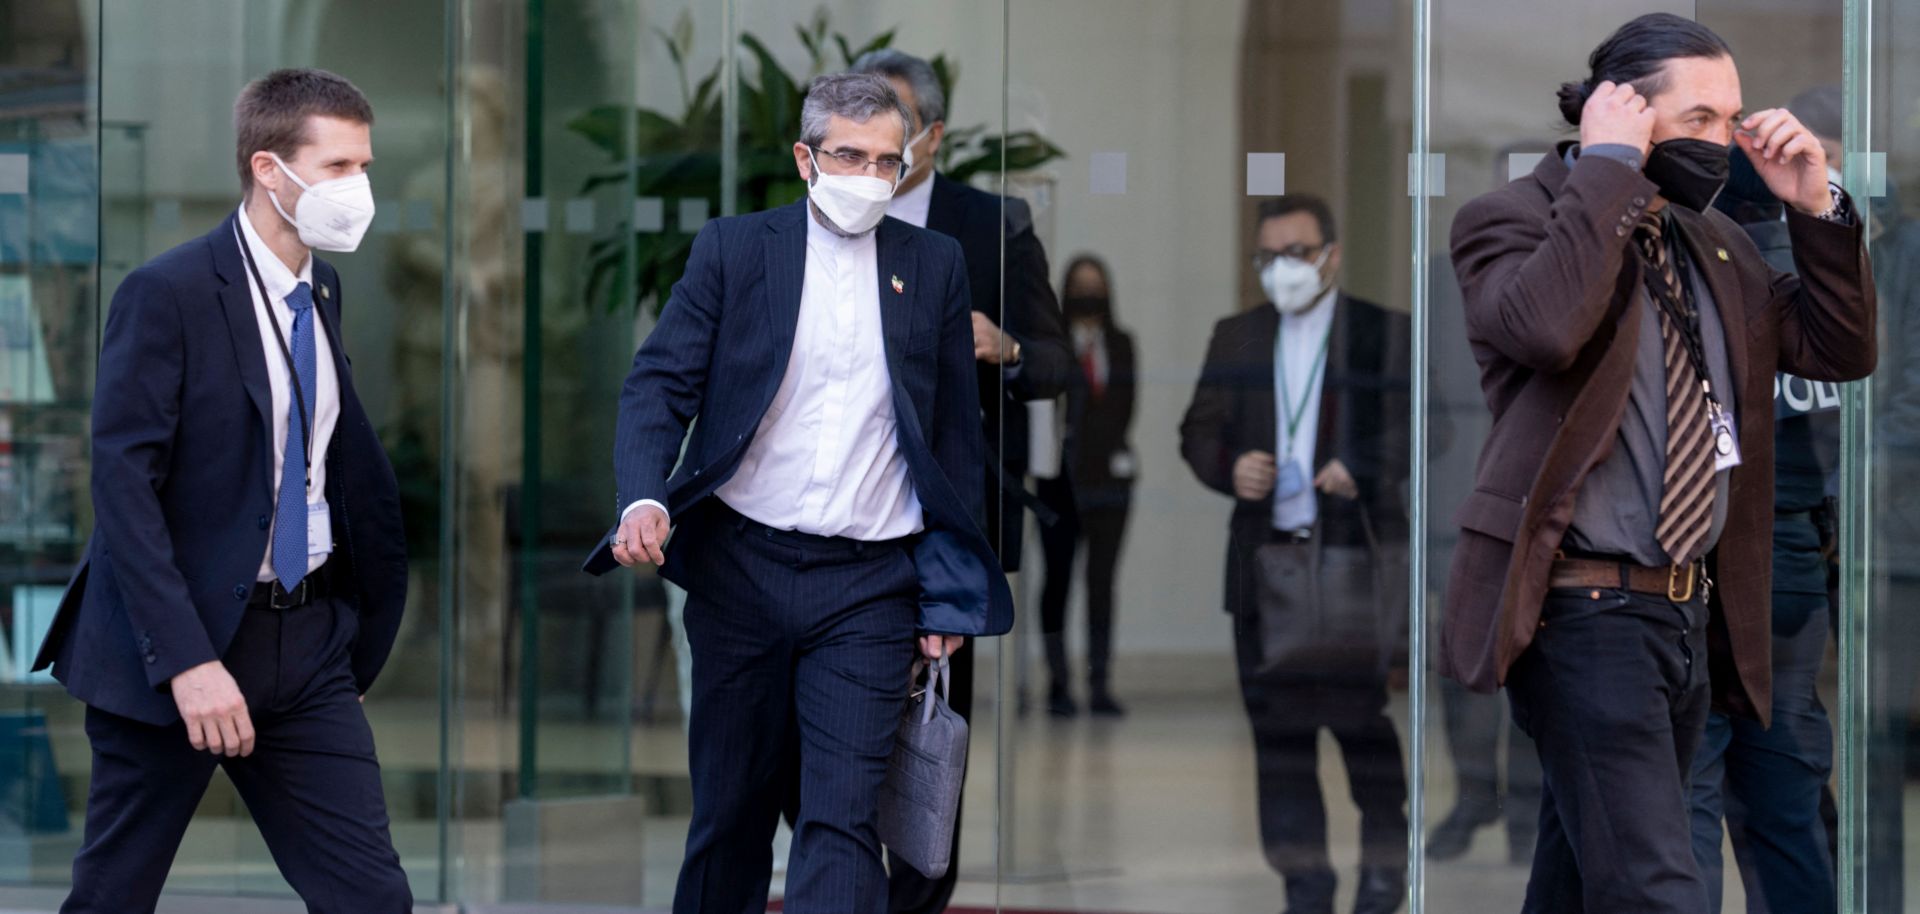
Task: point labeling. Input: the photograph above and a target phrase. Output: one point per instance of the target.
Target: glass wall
(1156, 735)
(1184, 126)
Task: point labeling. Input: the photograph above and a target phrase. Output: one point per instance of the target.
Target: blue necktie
(290, 514)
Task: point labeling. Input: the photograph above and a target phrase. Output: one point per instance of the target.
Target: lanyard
(293, 371)
(1683, 314)
(1295, 412)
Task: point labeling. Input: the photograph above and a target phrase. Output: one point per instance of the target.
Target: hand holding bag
(920, 799)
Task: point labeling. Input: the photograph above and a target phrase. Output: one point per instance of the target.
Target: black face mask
(1689, 172)
(1084, 306)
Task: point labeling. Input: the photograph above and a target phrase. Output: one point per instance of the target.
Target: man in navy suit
(827, 506)
(247, 568)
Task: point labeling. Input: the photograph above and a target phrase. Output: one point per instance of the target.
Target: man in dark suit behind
(1019, 343)
(828, 504)
(1301, 416)
(1614, 562)
(247, 568)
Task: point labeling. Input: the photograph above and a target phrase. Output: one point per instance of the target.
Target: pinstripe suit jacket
(721, 350)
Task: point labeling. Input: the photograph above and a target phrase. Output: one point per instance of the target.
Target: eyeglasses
(1308, 254)
(886, 168)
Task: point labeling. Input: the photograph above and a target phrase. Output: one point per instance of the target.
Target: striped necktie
(1686, 500)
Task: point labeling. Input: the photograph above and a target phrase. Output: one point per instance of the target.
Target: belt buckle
(1674, 577)
(295, 597)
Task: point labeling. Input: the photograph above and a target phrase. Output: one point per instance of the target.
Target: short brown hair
(272, 112)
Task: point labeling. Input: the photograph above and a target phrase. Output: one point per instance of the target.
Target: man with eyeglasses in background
(1301, 416)
(826, 509)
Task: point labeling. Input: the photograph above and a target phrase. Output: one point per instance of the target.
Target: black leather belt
(1290, 536)
(270, 595)
(725, 513)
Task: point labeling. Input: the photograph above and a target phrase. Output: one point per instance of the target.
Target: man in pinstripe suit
(827, 505)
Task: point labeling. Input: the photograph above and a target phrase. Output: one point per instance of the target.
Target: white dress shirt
(1296, 355)
(325, 402)
(911, 206)
(826, 458)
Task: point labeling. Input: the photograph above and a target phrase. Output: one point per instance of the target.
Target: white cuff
(646, 501)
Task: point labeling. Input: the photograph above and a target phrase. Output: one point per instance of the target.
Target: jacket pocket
(1495, 514)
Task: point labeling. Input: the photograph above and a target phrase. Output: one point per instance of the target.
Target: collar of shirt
(1318, 316)
(273, 271)
(912, 206)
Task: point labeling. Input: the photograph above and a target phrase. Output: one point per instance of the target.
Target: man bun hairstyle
(1637, 53)
(272, 112)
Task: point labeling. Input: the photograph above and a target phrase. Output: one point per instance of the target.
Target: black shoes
(1453, 837)
(1060, 703)
(1382, 890)
(1102, 704)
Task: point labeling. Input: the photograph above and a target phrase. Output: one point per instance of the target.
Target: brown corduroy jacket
(1549, 288)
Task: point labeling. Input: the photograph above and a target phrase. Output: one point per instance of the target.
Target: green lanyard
(1294, 413)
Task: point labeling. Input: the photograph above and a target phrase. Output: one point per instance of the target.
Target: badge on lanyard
(1726, 441)
(319, 528)
(1290, 481)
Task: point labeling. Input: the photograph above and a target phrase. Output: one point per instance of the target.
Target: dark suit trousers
(312, 783)
(794, 638)
(1287, 713)
(1102, 529)
(1475, 725)
(1614, 692)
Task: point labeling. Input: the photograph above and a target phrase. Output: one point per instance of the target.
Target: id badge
(1289, 482)
(1726, 442)
(319, 528)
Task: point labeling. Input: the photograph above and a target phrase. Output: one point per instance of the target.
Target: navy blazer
(720, 352)
(183, 488)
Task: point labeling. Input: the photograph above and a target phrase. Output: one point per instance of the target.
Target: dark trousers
(1475, 726)
(312, 783)
(1287, 714)
(1614, 692)
(1102, 528)
(1765, 783)
(802, 638)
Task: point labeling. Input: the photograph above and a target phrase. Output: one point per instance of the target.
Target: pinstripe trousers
(794, 637)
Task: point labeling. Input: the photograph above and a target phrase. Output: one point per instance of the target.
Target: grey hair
(927, 94)
(854, 96)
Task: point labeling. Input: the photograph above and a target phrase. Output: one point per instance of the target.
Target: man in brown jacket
(1613, 564)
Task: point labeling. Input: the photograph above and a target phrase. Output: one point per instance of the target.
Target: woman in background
(1094, 490)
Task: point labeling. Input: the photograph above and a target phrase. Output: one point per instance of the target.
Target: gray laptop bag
(920, 800)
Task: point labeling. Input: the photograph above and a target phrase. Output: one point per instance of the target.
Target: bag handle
(939, 682)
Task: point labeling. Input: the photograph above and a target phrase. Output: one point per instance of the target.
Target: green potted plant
(678, 157)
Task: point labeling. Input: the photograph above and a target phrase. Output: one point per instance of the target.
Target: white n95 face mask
(854, 204)
(331, 215)
(1292, 285)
